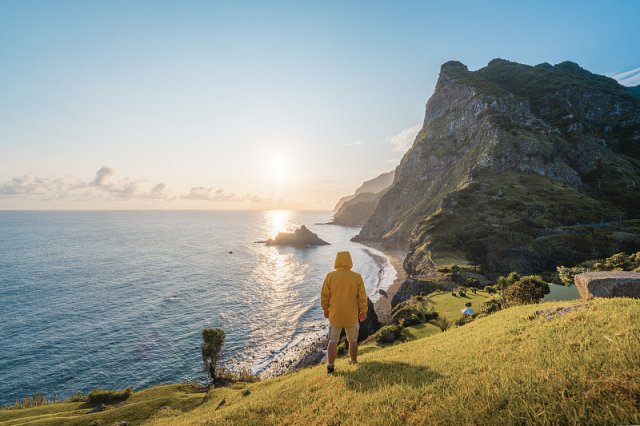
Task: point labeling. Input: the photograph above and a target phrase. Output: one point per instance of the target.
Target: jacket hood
(343, 260)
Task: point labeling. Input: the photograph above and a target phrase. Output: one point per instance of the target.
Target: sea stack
(301, 238)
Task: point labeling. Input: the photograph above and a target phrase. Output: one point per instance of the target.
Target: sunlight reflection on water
(112, 299)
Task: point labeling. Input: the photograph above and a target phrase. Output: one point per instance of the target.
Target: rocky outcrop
(516, 167)
(356, 209)
(369, 325)
(608, 284)
(372, 186)
(301, 237)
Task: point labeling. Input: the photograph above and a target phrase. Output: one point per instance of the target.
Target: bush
(212, 343)
(491, 306)
(388, 334)
(430, 316)
(108, 396)
(468, 304)
(491, 289)
(443, 323)
(526, 290)
(77, 397)
(466, 319)
(620, 262)
(566, 274)
(412, 311)
(27, 402)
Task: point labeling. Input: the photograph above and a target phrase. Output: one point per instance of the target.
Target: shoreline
(396, 258)
(312, 349)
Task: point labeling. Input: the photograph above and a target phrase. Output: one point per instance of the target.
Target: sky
(252, 105)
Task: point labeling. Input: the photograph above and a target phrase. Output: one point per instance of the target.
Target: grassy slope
(139, 407)
(506, 368)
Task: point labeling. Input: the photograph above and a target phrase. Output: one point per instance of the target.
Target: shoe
(330, 369)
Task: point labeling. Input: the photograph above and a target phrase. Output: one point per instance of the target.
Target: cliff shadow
(371, 375)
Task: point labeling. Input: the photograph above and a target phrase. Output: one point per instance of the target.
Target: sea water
(112, 299)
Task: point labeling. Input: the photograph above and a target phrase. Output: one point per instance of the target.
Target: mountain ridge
(550, 127)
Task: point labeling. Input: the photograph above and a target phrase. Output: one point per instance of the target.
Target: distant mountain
(372, 186)
(355, 209)
(635, 91)
(516, 167)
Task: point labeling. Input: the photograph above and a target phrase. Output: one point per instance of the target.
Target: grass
(162, 400)
(508, 368)
(447, 306)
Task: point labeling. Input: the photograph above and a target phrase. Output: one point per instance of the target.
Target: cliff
(516, 167)
(356, 209)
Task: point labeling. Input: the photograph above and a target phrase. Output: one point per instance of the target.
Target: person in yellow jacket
(344, 302)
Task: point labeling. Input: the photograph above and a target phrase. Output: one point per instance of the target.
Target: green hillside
(510, 367)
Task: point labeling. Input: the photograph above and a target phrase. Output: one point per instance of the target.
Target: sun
(279, 169)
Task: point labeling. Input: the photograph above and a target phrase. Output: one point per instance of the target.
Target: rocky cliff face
(356, 209)
(516, 167)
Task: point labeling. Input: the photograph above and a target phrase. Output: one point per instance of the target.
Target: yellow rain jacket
(343, 293)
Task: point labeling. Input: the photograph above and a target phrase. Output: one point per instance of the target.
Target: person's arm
(362, 300)
(325, 296)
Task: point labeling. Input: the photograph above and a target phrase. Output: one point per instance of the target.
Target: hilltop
(516, 167)
(510, 367)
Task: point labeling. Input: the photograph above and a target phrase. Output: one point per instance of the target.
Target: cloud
(101, 186)
(106, 186)
(220, 195)
(627, 78)
(403, 140)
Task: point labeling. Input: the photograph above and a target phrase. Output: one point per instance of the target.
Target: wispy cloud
(101, 186)
(403, 140)
(105, 186)
(627, 78)
(217, 194)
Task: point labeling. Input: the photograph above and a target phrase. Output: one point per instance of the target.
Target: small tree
(528, 289)
(212, 342)
(443, 323)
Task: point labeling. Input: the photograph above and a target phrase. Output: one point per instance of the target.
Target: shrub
(388, 334)
(620, 262)
(491, 306)
(526, 290)
(463, 320)
(443, 323)
(77, 397)
(491, 289)
(212, 343)
(430, 316)
(27, 402)
(412, 311)
(108, 396)
(233, 376)
(468, 304)
(566, 274)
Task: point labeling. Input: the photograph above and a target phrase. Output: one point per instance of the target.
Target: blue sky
(188, 104)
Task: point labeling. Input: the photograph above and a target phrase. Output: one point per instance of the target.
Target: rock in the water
(301, 237)
(608, 284)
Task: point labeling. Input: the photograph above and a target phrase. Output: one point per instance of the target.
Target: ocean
(113, 299)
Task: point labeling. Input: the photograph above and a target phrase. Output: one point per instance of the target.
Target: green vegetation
(413, 311)
(617, 262)
(159, 401)
(528, 223)
(108, 396)
(388, 334)
(212, 343)
(511, 367)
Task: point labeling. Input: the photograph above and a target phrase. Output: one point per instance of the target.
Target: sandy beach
(311, 350)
